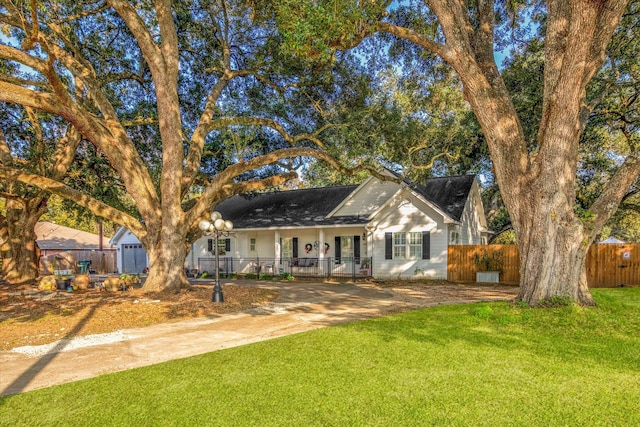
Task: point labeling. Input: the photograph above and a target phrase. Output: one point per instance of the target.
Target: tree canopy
(189, 102)
(534, 154)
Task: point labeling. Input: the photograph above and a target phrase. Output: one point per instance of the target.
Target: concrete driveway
(300, 307)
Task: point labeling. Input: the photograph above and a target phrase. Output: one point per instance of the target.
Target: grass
(482, 365)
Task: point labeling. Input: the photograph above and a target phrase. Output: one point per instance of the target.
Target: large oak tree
(537, 181)
(38, 146)
(191, 102)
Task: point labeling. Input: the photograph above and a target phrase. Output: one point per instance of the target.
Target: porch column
(276, 247)
(321, 243)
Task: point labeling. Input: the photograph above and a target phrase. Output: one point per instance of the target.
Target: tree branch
(607, 203)
(43, 101)
(270, 123)
(414, 37)
(13, 54)
(93, 205)
(150, 50)
(223, 182)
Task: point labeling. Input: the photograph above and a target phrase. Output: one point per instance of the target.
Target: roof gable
(450, 193)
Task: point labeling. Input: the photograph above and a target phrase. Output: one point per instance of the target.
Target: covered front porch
(327, 268)
(318, 252)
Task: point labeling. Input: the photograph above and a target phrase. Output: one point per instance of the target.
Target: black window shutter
(227, 245)
(338, 249)
(388, 245)
(295, 247)
(356, 249)
(210, 245)
(280, 254)
(426, 245)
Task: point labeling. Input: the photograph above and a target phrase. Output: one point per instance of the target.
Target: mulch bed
(29, 316)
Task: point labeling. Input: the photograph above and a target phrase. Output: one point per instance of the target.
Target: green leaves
(316, 29)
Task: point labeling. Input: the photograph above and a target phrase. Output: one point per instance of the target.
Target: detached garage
(131, 256)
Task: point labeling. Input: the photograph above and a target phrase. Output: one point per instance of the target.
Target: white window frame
(346, 247)
(407, 245)
(252, 244)
(414, 244)
(222, 245)
(400, 245)
(287, 247)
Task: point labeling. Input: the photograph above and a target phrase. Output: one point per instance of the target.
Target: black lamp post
(216, 227)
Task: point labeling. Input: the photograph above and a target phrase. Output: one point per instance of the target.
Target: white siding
(406, 213)
(127, 238)
(199, 249)
(368, 198)
(472, 218)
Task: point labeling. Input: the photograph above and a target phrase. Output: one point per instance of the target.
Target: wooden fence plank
(101, 261)
(607, 265)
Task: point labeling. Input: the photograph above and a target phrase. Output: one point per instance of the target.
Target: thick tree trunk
(552, 255)
(167, 256)
(20, 261)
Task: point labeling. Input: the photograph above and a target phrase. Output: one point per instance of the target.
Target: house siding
(407, 213)
(387, 206)
(368, 198)
(472, 218)
(127, 238)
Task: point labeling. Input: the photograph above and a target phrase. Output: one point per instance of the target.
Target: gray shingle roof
(294, 208)
(53, 236)
(449, 193)
(309, 207)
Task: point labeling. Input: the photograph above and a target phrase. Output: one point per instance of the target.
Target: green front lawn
(481, 364)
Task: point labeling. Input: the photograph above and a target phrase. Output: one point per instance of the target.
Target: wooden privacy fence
(613, 265)
(462, 267)
(608, 265)
(101, 261)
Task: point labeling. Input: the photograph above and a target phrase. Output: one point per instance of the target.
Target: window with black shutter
(426, 245)
(388, 245)
(338, 249)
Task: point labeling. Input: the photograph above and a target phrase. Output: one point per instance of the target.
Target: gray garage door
(134, 258)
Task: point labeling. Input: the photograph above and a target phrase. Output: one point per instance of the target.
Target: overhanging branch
(93, 205)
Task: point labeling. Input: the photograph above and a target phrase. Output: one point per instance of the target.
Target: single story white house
(384, 229)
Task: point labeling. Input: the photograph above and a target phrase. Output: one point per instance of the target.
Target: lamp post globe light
(216, 227)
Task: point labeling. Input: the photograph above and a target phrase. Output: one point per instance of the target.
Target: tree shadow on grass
(21, 383)
(560, 334)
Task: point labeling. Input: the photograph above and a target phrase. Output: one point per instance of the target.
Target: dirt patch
(32, 317)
